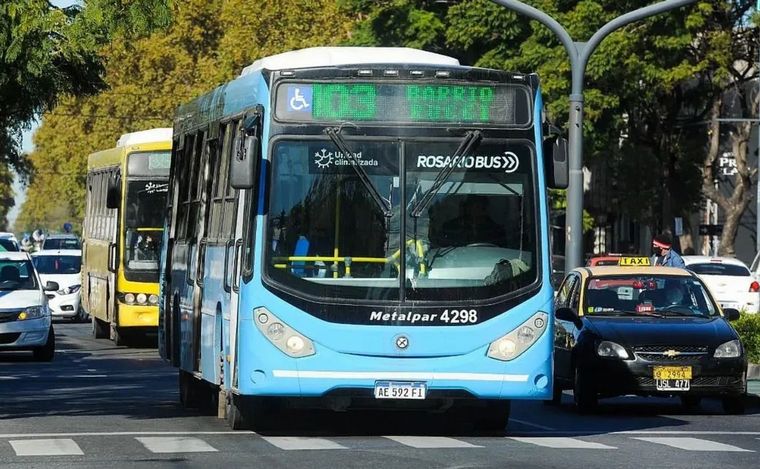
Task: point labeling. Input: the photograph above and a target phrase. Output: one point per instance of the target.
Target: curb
(753, 371)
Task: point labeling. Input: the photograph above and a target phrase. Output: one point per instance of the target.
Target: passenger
(473, 225)
(664, 254)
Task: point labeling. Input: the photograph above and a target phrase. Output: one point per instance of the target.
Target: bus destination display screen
(149, 163)
(486, 103)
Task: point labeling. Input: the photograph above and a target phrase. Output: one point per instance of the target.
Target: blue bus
(361, 227)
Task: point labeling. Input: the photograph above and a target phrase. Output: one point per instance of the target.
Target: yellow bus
(126, 202)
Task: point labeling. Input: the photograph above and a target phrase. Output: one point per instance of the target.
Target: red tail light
(754, 286)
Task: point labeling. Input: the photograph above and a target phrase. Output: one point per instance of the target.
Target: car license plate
(400, 390)
(673, 384)
(672, 372)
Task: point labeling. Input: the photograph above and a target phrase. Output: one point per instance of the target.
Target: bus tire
(494, 417)
(99, 329)
(235, 412)
(193, 394)
(117, 335)
(46, 353)
(584, 394)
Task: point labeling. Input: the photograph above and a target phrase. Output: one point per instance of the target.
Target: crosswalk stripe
(301, 443)
(561, 443)
(46, 447)
(428, 442)
(693, 444)
(175, 444)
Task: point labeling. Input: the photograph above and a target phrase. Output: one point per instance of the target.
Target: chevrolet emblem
(671, 353)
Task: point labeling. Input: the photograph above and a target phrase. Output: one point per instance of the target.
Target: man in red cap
(664, 254)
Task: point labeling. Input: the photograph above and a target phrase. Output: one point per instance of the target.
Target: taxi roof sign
(634, 261)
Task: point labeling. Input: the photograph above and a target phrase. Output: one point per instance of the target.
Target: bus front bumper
(138, 315)
(472, 375)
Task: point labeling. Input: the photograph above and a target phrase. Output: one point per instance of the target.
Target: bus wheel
(584, 393)
(47, 351)
(99, 330)
(193, 393)
(117, 335)
(236, 417)
(494, 417)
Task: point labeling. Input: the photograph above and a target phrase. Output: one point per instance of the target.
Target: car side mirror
(567, 314)
(51, 286)
(731, 314)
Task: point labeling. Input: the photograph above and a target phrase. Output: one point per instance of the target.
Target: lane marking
(635, 432)
(290, 443)
(694, 444)
(37, 435)
(431, 442)
(175, 444)
(529, 424)
(562, 443)
(50, 447)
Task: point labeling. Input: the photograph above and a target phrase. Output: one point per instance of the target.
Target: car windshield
(714, 268)
(57, 264)
(61, 243)
(647, 295)
(17, 275)
(145, 209)
(328, 237)
(7, 244)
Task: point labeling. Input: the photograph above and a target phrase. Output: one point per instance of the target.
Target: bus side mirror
(243, 164)
(113, 195)
(555, 162)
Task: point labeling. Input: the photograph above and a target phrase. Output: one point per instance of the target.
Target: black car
(647, 331)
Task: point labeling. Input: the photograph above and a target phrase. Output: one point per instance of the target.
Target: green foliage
(748, 328)
(208, 43)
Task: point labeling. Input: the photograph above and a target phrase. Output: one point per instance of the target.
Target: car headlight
(282, 336)
(513, 344)
(611, 350)
(730, 349)
(32, 312)
(69, 290)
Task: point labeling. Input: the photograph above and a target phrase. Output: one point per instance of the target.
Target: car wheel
(584, 394)
(690, 402)
(99, 328)
(46, 353)
(734, 405)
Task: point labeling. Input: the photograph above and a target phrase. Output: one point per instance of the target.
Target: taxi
(619, 259)
(646, 331)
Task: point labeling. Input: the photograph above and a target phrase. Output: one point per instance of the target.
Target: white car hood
(63, 280)
(14, 299)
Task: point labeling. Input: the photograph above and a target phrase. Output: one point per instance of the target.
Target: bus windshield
(476, 238)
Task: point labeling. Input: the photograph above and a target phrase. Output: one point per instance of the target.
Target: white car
(64, 268)
(729, 281)
(25, 321)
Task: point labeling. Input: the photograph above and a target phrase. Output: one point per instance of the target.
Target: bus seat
(301, 249)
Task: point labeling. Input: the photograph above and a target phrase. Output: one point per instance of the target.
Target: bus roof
(331, 56)
(161, 134)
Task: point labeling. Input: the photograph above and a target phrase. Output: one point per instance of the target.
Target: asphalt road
(99, 405)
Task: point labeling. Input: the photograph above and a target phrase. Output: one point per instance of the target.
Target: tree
(208, 43)
(638, 95)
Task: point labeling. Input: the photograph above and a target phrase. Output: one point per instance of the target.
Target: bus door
(246, 142)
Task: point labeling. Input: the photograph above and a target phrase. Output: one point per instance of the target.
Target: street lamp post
(579, 53)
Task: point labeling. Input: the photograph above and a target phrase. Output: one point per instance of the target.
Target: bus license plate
(673, 384)
(400, 390)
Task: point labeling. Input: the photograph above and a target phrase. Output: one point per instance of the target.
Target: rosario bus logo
(509, 162)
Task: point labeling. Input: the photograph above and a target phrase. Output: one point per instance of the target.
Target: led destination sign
(404, 103)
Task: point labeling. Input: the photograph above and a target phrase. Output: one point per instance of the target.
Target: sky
(27, 145)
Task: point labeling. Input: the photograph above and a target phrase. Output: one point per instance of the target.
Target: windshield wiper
(468, 144)
(627, 313)
(341, 144)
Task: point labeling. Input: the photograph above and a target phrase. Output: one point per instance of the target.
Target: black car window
(719, 269)
(563, 295)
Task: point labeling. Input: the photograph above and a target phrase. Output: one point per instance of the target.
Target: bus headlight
(282, 336)
(519, 339)
(153, 299)
(142, 298)
(129, 298)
